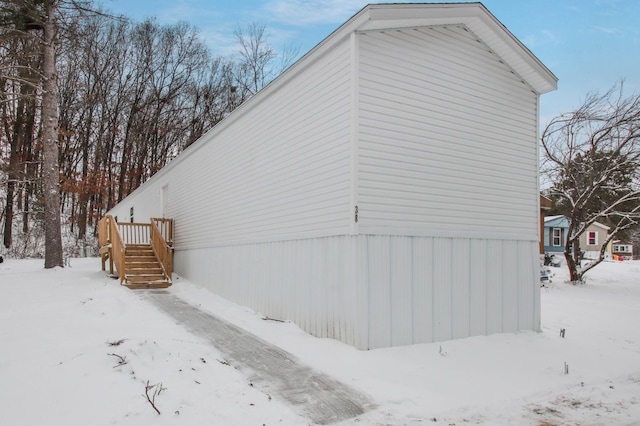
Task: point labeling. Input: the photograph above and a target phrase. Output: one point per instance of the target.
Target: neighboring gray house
(555, 233)
(382, 191)
(592, 240)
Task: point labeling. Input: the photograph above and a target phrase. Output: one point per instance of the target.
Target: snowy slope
(76, 348)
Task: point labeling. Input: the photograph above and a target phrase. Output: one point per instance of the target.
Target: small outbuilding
(382, 191)
(556, 230)
(620, 250)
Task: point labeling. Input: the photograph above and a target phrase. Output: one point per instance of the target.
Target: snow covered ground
(78, 349)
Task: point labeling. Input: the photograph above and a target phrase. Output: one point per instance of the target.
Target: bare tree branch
(592, 159)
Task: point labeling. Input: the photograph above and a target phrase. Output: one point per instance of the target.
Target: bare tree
(592, 160)
(259, 62)
(42, 20)
(18, 114)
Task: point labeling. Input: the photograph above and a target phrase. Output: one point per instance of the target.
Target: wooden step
(140, 249)
(138, 259)
(144, 276)
(140, 253)
(156, 270)
(148, 285)
(142, 268)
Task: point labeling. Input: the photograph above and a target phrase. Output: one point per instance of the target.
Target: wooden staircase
(142, 269)
(141, 253)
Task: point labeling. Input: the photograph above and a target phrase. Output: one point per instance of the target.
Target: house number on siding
(356, 217)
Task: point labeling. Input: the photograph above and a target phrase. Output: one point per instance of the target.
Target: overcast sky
(587, 44)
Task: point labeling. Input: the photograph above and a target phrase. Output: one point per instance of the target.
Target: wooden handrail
(104, 236)
(135, 233)
(118, 249)
(165, 226)
(104, 239)
(161, 229)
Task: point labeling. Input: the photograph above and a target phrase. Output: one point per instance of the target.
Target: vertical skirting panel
(374, 291)
(423, 275)
(494, 265)
(380, 297)
(526, 292)
(460, 291)
(442, 286)
(436, 289)
(509, 286)
(478, 279)
(401, 291)
(361, 325)
(314, 283)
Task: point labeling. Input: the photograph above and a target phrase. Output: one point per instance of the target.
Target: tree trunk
(8, 215)
(572, 256)
(51, 174)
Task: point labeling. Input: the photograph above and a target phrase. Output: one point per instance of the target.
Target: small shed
(382, 191)
(555, 233)
(622, 250)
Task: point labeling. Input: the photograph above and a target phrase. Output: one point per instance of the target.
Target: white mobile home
(382, 191)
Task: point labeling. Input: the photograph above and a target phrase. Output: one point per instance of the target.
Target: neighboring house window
(592, 238)
(131, 215)
(556, 237)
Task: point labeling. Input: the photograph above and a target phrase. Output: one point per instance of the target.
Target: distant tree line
(131, 96)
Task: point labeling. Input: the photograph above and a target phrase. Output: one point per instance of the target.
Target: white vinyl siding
(447, 137)
(279, 171)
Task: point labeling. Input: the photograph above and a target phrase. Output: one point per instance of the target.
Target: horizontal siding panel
(493, 81)
(447, 137)
(474, 111)
(404, 116)
(397, 165)
(282, 170)
(443, 148)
